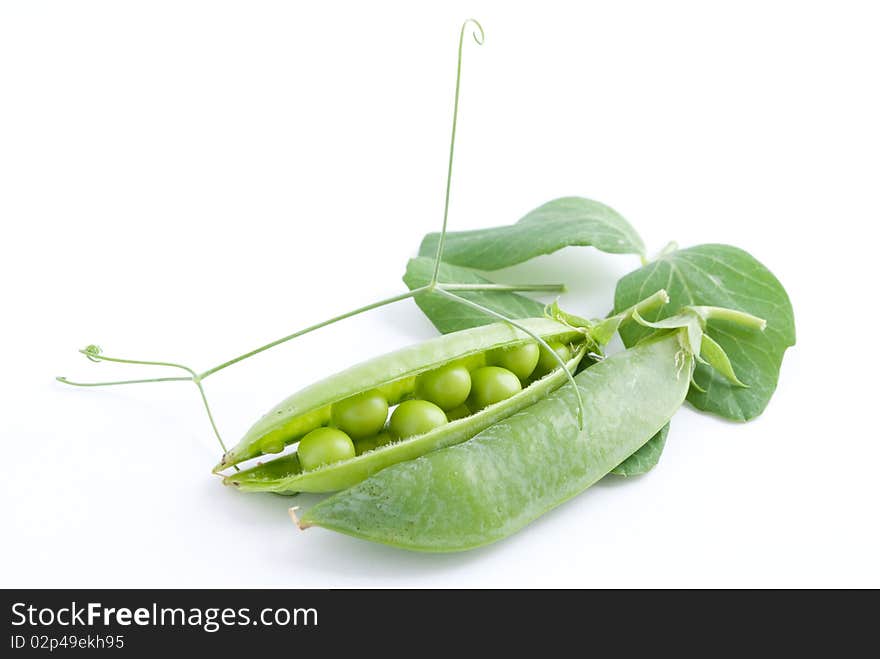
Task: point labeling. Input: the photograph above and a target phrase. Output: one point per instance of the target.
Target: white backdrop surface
(188, 180)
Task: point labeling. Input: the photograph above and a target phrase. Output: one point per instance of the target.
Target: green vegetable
(492, 384)
(395, 376)
(324, 446)
(392, 376)
(362, 415)
(415, 417)
(447, 387)
(546, 361)
(519, 360)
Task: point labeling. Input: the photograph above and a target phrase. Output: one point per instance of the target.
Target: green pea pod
(394, 377)
(284, 476)
(487, 488)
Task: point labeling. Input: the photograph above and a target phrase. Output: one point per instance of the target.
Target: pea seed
(519, 360)
(547, 363)
(324, 446)
(362, 415)
(490, 385)
(415, 417)
(447, 387)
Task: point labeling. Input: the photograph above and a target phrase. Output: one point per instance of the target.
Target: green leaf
(450, 316)
(724, 276)
(557, 224)
(646, 458)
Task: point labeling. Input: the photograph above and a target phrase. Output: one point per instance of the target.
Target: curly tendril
(92, 352)
(479, 37)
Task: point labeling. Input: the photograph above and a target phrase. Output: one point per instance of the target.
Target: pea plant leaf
(646, 458)
(450, 316)
(723, 276)
(560, 223)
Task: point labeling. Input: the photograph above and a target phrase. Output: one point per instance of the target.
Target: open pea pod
(394, 376)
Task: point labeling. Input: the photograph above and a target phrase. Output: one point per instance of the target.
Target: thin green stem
(548, 288)
(741, 318)
(312, 328)
(93, 353)
(479, 37)
(522, 328)
(536, 288)
(211, 416)
(64, 380)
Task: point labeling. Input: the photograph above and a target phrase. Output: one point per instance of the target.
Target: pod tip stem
(295, 518)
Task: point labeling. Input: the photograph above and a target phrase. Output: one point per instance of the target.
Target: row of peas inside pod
(402, 405)
(451, 392)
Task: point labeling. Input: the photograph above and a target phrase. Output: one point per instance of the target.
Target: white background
(189, 180)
